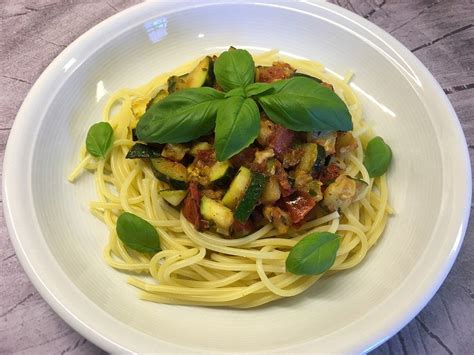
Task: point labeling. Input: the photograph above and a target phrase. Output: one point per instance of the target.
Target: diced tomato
(299, 205)
(282, 177)
(257, 218)
(280, 140)
(207, 156)
(242, 229)
(245, 157)
(191, 206)
(277, 71)
(330, 173)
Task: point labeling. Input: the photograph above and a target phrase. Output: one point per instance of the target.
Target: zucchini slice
(221, 174)
(159, 96)
(174, 151)
(200, 146)
(216, 212)
(309, 157)
(251, 197)
(320, 160)
(143, 151)
(271, 193)
(170, 172)
(237, 188)
(174, 197)
(202, 75)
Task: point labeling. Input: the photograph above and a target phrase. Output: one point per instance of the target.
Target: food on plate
(236, 180)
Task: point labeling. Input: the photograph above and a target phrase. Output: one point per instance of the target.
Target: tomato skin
(298, 205)
(280, 140)
(191, 206)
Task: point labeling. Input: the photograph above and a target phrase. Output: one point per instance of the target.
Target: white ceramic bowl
(60, 244)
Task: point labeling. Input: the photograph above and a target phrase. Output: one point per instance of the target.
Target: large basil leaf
(181, 117)
(137, 234)
(314, 254)
(99, 139)
(235, 92)
(377, 157)
(237, 126)
(302, 104)
(257, 89)
(234, 68)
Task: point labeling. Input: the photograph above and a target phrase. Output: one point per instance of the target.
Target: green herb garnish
(237, 126)
(99, 139)
(378, 156)
(180, 117)
(299, 103)
(234, 68)
(314, 254)
(137, 234)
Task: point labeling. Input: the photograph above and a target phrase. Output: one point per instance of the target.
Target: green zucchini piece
(221, 174)
(200, 146)
(271, 193)
(174, 151)
(170, 172)
(309, 157)
(251, 197)
(320, 160)
(202, 75)
(177, 83)
(159, 96)
(142, 151)
(212, 210)
(174, 197)
(237, 188)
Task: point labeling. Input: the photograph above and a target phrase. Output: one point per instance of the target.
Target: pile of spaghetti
(254, 224)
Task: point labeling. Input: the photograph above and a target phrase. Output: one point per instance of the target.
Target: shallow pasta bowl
(60, 244)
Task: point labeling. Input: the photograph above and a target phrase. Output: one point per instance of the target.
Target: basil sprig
(234, 68)
(257, 89)
(137, 234)
(299, 103)
(314, 254)
(237, 126)
(99, 139)
(377, 157)
(180, 117)
(302, 104)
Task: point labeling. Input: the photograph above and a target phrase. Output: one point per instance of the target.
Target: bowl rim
(69, 312)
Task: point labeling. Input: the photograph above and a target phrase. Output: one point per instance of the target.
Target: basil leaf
(234, 68)
(377, 157)
(99, 139)
(137, 234)
(308, 76)
(143, 151)
(181, 117)
(237, 126)
(302, 104)
(256, 89)
(314, 254)
(235, 92)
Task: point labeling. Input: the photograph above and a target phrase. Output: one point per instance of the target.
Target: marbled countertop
(439, 32)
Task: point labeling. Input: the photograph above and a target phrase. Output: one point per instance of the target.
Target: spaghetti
(202, 268)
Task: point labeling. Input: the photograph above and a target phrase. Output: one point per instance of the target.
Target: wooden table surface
(439, 32)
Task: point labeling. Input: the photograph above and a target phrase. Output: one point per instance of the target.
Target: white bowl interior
(395, 102)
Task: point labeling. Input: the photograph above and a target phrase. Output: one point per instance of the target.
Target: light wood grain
(440, 33)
